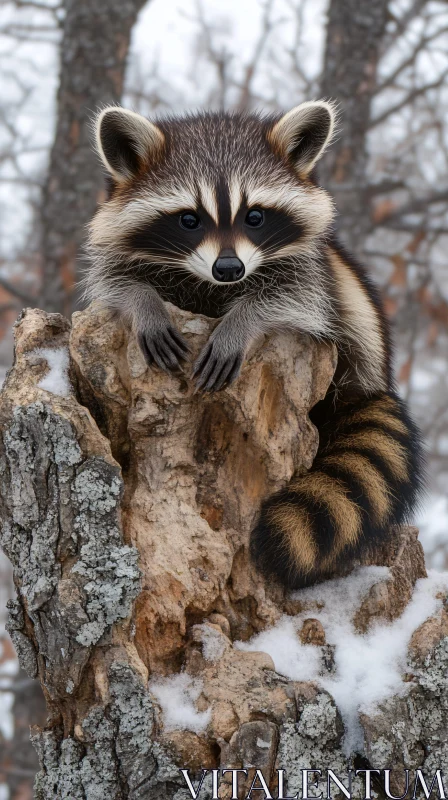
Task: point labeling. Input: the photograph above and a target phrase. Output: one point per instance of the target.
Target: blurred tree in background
(384, 61)
(93, 51)
(355, 31)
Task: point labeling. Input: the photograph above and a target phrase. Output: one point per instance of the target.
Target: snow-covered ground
(369, 668)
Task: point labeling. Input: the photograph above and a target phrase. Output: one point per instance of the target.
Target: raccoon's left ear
(303, 133)
(126, 141)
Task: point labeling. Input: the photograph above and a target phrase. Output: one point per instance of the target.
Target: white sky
(166, 34)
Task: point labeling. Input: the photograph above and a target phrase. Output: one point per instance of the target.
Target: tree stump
(126, 506)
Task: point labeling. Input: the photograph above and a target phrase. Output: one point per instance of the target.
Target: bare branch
(409, 61)
(249, 73)
(402, 23)
(17, 291)
(408, 99)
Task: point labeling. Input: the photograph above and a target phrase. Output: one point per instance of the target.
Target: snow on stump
(126, 506)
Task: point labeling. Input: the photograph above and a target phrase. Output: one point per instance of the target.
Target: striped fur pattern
(292, 273)
(365, 478)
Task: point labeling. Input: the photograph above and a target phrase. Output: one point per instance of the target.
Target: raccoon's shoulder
(363, 320)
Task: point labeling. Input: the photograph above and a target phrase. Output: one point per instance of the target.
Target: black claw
(166, 348)
(213, 370)
(223, 379)
(211, 384)
(158, 358)
(167, 355)
(235, 371)
(145, 349)
(228, 374)
(201, 363)
(179, 340)
(205, 374)
(174, 347)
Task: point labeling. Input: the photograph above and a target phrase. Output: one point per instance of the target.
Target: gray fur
(221, 360)
(159, 340)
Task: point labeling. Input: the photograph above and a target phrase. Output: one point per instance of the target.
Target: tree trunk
(93, 55)
(354, 34)
(126, 503)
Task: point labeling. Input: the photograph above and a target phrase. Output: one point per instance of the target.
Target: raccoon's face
(222, 196)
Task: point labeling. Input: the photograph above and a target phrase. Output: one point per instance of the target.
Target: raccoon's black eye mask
(267, 228)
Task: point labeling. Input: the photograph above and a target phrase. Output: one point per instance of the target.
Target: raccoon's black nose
(228, 269)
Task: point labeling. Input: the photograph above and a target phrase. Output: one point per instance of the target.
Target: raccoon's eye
(254, 218)
(189, 220)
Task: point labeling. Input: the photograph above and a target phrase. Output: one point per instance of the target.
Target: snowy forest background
(384, 61)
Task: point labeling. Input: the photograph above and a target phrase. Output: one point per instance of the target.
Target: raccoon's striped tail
(365, 478)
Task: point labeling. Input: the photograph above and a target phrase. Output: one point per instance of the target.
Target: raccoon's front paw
(218, 365)
(164, 346)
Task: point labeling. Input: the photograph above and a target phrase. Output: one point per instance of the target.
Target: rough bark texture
(354, 34)
(126, 507)
(93, 55)
(411, 731)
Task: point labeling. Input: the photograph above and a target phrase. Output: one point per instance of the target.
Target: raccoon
(222, 215)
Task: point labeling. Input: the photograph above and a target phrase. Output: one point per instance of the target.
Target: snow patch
(368, 667)
(177, 696)
(291, 658)
(213, 643)
(56, 380)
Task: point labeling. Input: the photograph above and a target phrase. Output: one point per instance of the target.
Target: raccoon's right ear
(126, 141)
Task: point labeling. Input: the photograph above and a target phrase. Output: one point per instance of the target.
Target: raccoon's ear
(303, 133)
(126, 141)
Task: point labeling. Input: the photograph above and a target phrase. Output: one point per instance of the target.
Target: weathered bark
(355, 31)
(126, 505)
(93, 55)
